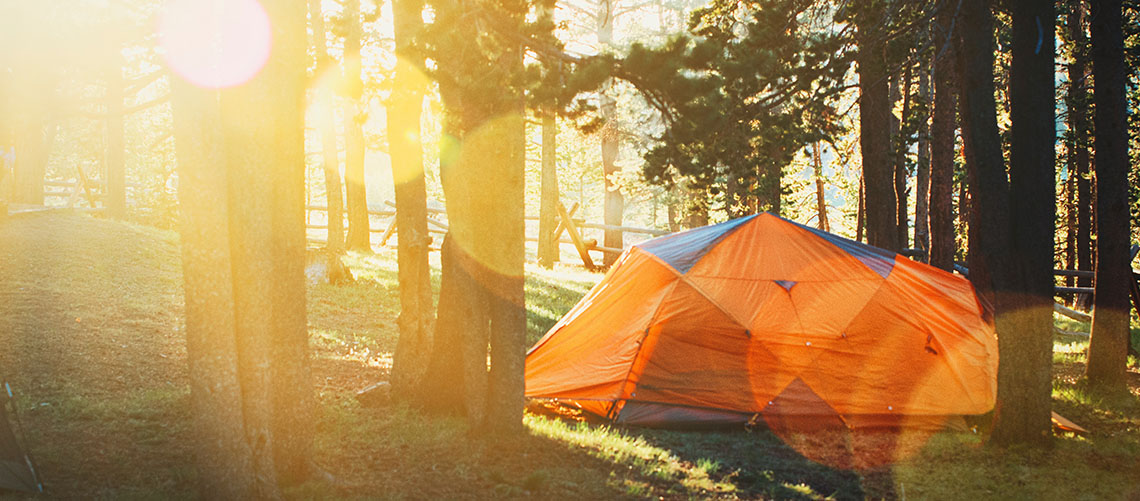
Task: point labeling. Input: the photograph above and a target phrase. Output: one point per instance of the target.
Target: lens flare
(215, 43)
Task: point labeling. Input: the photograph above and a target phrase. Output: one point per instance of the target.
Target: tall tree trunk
(223, 457)
(116, 194)
(901, 145)
(412, 350)
(874, 137)
(1027, 358)
(359, 236)
(1015, 220)
(1108, 346)
(483, 185)
(247, 330)
(548, 248)
(820, 199)
(1078, 254)
(293, 398)
(965, 203)
(611, 141)
(943, 124)
(482, 172)
(334, 199)
(264, 124)
(922, 182)
(461, 316)
(1070, 227)
(1079, 155)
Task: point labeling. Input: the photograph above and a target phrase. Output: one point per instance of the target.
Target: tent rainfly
(16, 472)
(764, 318)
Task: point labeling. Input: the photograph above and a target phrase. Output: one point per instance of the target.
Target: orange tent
(763, 317)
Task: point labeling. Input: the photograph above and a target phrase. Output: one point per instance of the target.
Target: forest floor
(92, 341)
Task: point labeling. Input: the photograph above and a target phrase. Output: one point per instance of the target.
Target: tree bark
(359, 236)
(507, 302)
(922, 182)
(1079, 154)
(1016, 234)
(412, 350)
(901, 172)
(820, 199)
(611, 141)
(326, 104)
(223, 457)
(548, 248)
(482, 173)
(116, 195)
(1109, 341)
(942, 127)
(264, 124)
(461, 315)
(874, 138)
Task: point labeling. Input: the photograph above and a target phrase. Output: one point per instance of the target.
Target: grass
(90, 322)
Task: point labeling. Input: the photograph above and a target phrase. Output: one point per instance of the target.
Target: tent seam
(641, 341)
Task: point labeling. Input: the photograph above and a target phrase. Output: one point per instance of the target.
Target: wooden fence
(569, 225)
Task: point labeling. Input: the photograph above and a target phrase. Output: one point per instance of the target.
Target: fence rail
(438, 226)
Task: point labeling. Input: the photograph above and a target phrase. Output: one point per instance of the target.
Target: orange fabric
(588, 353)
(770, 313)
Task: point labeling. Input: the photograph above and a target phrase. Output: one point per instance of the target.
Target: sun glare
(215, 43)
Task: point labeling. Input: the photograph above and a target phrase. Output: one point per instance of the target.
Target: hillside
(90, 329)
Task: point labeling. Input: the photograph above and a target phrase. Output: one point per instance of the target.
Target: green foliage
(747, 87)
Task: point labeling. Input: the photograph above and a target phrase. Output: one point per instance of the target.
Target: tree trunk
(874, 138)
(293, 395)
(1015, 220)
(412, 350)
(548, 248)
(460, 315)
(1109, 341)
(223, 457)
(611, 141)
(506, 386)
(820, 199)
(1079, 154)
(326, 105)
(359, 236)
(1070, 228)
(922, 195)
(1078, 254)
(482, 174)
(943, 123)
(962, 227)
(901, 172)
(116, 195)
(264, 124)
